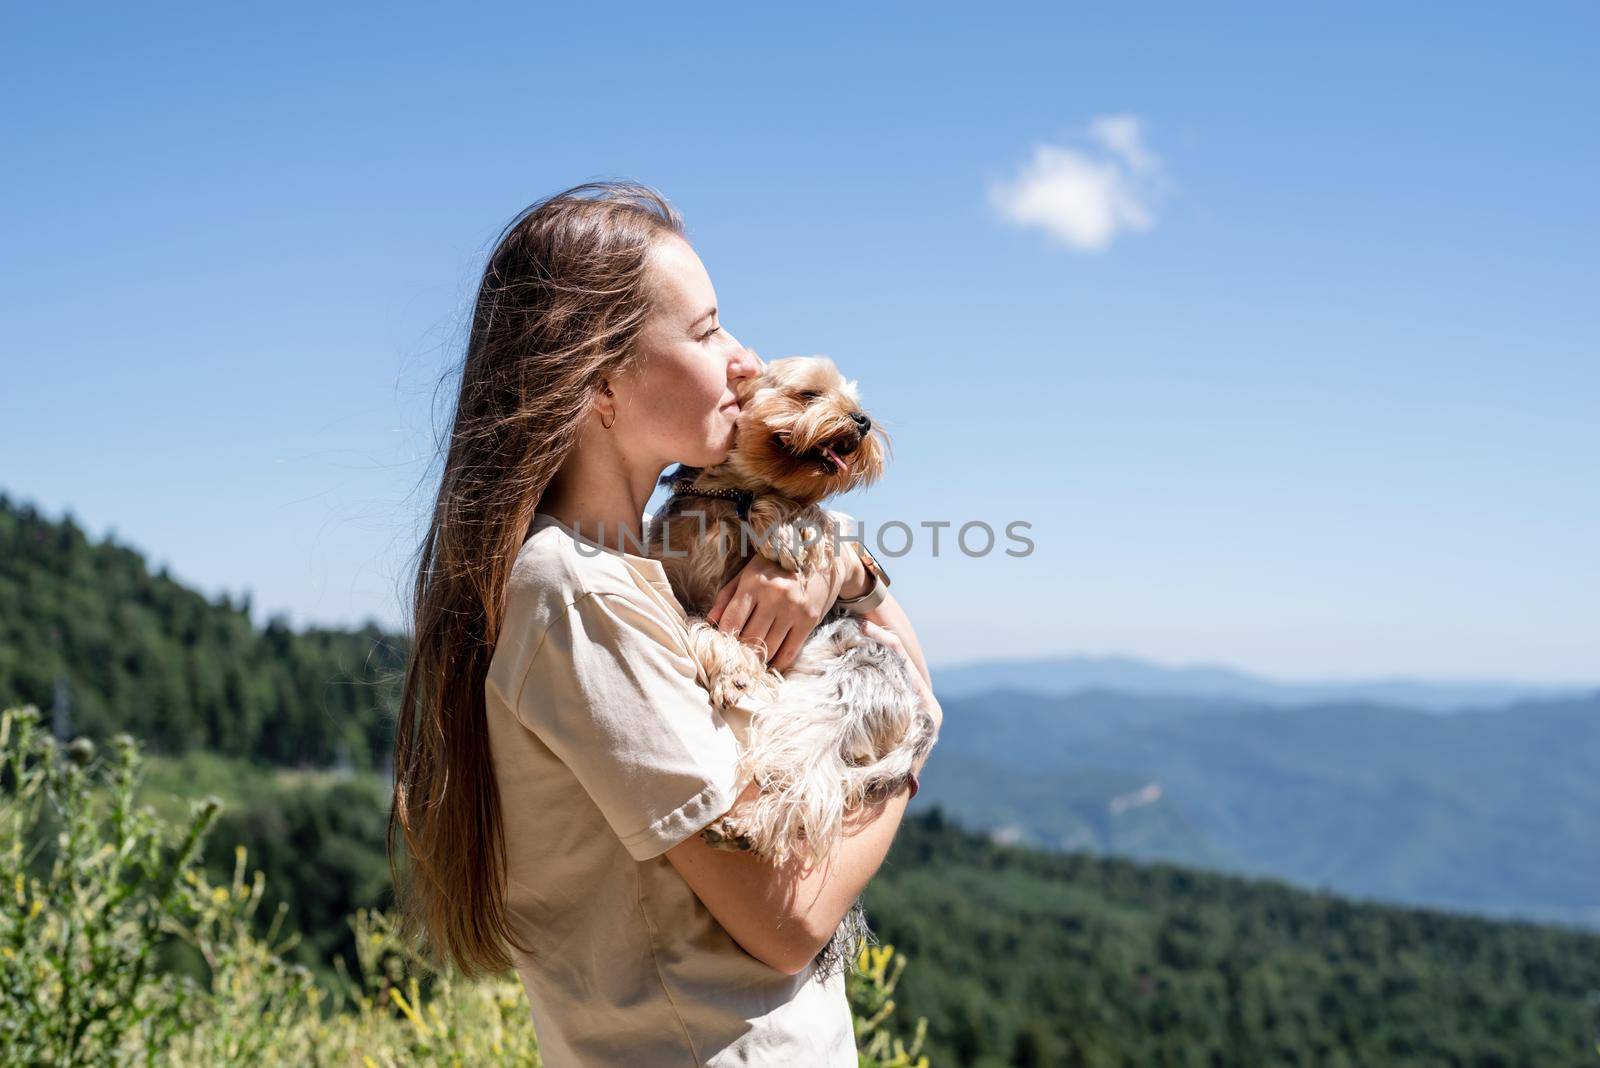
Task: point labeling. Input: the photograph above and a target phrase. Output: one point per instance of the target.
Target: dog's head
(803, 433)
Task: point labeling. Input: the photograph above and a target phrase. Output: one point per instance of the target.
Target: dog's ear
(674, 473)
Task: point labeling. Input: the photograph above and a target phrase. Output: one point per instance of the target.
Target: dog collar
(684, 487)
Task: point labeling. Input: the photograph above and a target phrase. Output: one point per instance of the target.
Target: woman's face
(678, 402)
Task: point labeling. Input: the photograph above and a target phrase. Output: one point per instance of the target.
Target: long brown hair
(560, 306)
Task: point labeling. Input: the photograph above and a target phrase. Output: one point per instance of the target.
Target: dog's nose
(863, 424)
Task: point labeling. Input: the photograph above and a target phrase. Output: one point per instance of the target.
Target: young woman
(555, 757)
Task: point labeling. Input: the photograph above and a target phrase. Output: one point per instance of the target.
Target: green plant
(870, 986)
(96, 887)
(110, 898)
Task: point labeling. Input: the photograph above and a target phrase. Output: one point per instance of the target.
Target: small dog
(844, 725)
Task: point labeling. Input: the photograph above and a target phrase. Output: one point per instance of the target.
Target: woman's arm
(784, 914)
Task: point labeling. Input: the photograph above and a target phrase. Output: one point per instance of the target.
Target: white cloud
(1086, 197)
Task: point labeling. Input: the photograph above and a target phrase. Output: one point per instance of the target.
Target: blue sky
(1277, 324)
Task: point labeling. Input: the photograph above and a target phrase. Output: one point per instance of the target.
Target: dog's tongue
(840, 462)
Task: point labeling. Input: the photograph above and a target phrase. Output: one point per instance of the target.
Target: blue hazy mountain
(1070, 674)
(1489, 811)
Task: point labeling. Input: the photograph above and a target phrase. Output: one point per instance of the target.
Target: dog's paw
(742, 689)
(785, 549)
(816, 552)
(776, 538)
(721, 833)
(727, 691)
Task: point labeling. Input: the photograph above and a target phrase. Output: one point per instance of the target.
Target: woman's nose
(745, 364)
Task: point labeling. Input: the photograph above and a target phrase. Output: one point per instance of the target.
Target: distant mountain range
(1071, 674)
(1488, 811)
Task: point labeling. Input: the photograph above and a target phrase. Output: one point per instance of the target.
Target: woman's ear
(607, 408)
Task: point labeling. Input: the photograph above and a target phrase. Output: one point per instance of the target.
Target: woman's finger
(759, 627)
(737, 613)
(777, 638)
(740, 592)
(724, 595)
(883, 634)
(790, 651)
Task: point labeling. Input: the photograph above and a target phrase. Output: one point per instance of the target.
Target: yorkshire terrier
(844, 722)
(843, 725)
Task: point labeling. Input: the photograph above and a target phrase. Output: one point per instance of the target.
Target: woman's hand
(765, 604)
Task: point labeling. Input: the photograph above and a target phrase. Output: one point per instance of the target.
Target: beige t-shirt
(608, 752)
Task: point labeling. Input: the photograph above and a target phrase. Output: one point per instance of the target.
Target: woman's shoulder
(550, 579)
(559, 587)
(555, 573)
(553, 567)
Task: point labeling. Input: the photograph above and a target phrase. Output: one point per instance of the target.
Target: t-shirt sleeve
(848, 526)
(615, 695)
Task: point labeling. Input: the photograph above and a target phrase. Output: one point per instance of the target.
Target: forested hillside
(1031, 958)
(136, 651)
(1025, 957)
(1018, 956)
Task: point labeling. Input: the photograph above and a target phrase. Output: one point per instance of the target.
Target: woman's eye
(707, 335)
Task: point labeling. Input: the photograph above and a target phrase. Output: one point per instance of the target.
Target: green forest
(140, 652)
(1012, 956)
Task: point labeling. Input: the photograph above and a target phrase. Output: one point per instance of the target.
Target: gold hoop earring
(606, 424)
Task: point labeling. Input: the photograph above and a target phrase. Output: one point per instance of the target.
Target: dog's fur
(844, 725)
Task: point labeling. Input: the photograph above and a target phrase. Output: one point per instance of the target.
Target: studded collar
(684, 487)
